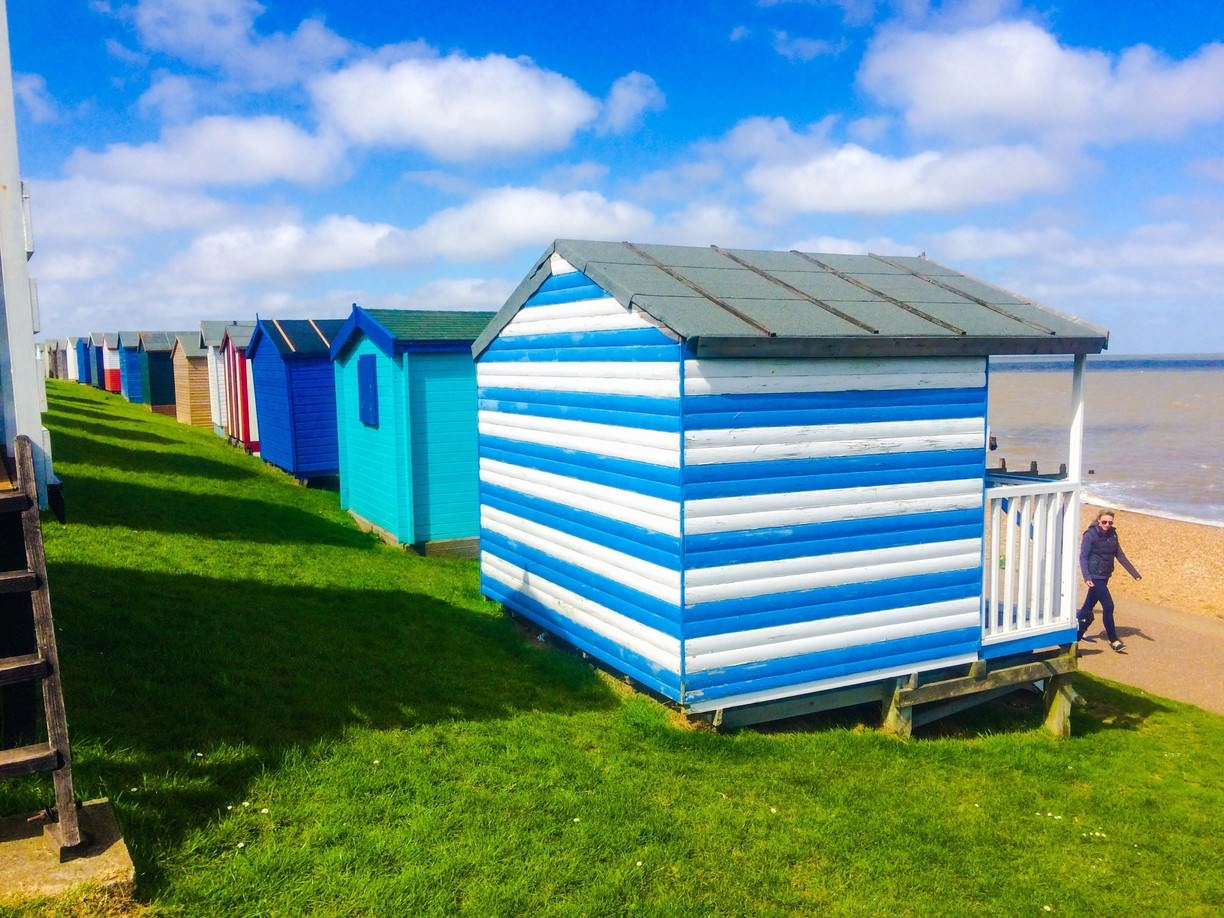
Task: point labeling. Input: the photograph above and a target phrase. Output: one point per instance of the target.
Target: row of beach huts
(745, 479)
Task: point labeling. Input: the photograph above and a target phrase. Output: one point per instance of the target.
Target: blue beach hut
(130, 383)
(295, 394)
(406, 421)
(97, 359)
(84, 363)
(755, 482)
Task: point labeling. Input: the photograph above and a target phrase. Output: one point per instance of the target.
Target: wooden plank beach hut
(406, 422)
(72, 369)
(131, 386)
(212, 333)
(190, 361)
(112, 376)
(295, 391)
(84, 359)
(755, 482)
(241, 418)
(157, 370)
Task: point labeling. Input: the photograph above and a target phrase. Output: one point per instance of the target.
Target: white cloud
(794, 48)
(852, 179)
(631, 96)
(1212, 169)
(79, 263)
(705, 223)
(286, 250)
(1014, 79)
(456, 293)
(455, 108)
(221, 34)
(505, 219)
(171, 97)
(30, 90)
(218, 150)
(975, 243)
(82, 209)
(837, 245)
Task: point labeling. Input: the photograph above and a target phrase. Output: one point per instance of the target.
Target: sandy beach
(1182, 563)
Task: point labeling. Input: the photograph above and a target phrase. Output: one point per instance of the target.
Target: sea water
(1153, 428)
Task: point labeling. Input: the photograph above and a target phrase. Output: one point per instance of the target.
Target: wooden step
(27, 760)
(18, 581)
(25, 668)
(14, 502)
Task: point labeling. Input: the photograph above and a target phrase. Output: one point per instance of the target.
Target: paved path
(1175, 654)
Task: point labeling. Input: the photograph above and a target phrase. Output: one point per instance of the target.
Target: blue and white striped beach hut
(744, 476)
(295, 394)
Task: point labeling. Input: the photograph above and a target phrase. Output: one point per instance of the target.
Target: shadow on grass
(86, 450)
(116, 428)
(71, 413)
(107, 502)
(160, 666)
(1109, 708)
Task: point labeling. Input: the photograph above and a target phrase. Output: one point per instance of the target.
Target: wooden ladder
(25, 600)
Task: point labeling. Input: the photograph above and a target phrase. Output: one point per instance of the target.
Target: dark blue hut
(295, 394)
(84, 365)
(131, 385)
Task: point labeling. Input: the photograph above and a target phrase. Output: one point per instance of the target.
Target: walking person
(1098, 551)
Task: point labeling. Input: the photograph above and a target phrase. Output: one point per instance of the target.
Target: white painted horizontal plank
(821, 449)
(696, 661)
(662, 371)
(653, 513)
(808, 433)
(746, 520)
(601, 306)
(657, 647)
(558, 265)
(845, 499)
(657, 447)
(654, 580)
(746, 376)
(823, 685)
(573, 325)
(737, 581)
(491, 378)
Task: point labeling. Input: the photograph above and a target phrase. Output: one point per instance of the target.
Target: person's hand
(1088, 582)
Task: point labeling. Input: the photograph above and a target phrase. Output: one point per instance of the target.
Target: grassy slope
(291, 718)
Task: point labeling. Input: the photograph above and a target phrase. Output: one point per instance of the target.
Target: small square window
(367, 389)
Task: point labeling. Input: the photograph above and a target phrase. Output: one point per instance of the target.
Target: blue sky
(194, 159)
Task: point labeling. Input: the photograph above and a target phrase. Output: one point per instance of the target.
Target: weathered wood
(898, 718)
(53, 693)
(18, 581)
(932, 712)
(967, 685)
(25, 668)
(1058, 699)
(745, 715)
(27, 760)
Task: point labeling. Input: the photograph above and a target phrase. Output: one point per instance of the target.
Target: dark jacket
(1098, 551)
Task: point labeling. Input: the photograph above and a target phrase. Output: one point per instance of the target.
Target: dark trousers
(1098, 592)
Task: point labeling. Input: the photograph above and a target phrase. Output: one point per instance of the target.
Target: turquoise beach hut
(295, 394)
(756, 481)
(406, 425)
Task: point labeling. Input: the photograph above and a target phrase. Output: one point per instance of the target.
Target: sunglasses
(1105, 522)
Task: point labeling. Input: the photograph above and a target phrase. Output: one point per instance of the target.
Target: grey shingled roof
(212, 330)
(748, 303)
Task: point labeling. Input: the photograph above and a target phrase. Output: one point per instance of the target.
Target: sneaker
(1118, 646)
(1088, 640)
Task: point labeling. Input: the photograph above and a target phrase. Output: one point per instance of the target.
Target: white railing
(1029, 577)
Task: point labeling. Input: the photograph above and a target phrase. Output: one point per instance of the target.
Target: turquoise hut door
(445, 470)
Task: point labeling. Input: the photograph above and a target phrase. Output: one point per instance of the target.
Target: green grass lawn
(291, 718)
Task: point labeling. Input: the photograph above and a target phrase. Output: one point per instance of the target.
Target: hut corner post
(19, 372)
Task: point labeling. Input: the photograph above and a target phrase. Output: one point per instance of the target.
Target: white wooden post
(19, 372)
(1075, 475)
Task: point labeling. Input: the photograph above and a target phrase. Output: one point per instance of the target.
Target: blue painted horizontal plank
(589, 415)
(831, 664)
(792, 544)
(816, 417)
(634, 404)
(655, 547)
(855, 398)
(635, 605)
(830, 477)
(968, 579)
(619, 658)
(610, 344)
(571, 465)
(571, 291)
(841, 601)
(1021, 645)
(750, 472)
(644, 470)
